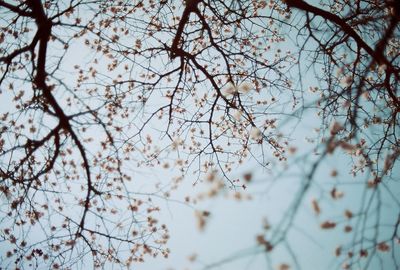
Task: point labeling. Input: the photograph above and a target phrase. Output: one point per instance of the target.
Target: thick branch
(16, 9)
(191, 6)
(377, 54)
(44, 25)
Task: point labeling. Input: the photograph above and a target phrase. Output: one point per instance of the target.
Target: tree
(96, 89)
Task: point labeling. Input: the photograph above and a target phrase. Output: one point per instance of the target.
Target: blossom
(245, 87)
(230, 90)
(346, 81)
(336, 128)
(176, 143)
(339, 71)
(328, 225)
(211, 176)
(255, 134)
(201, 218)
(237, 114)
(382, 68)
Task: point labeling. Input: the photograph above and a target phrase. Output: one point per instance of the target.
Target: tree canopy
(95, 94)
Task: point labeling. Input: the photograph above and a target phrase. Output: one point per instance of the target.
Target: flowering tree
(89, 86)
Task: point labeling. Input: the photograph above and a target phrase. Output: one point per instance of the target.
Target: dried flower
(328, 225)
(336, 127)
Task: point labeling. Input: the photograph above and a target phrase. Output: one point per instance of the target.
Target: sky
(229, 237)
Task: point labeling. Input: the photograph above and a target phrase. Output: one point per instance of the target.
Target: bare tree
(97, 89)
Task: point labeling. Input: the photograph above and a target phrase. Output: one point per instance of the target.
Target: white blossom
(176, 143)
(255, 134)
(230, 90)
(237, 114)
(245, 87)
